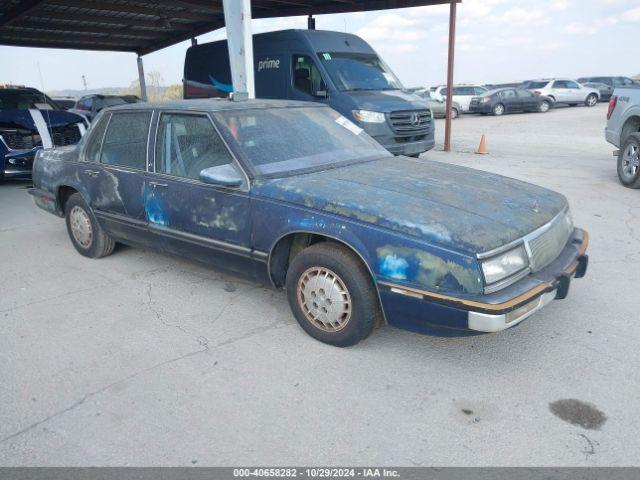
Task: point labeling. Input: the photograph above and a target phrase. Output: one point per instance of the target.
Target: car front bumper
(17, 163)
(438, 314)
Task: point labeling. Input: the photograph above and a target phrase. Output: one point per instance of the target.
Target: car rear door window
(125, 143)
(186, 144)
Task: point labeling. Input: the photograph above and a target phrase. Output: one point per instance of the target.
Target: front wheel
(592, 100)
(498, 109)
(332, 295)
(85, 232)
(544, 107)
(455, 113)
(629, 162)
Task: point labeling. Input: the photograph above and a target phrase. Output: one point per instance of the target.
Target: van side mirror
(224, 175)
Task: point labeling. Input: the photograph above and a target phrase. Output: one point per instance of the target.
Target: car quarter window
(125, 143)
(94, 141)
(186, 144)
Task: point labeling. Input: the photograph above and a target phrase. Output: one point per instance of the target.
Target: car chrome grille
(410, 122)
(26, 139)
(547, 245)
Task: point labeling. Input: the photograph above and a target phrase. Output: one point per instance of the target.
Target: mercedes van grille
(410, 121)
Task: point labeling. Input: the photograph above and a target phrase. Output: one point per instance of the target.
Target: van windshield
(359, 71)
(285, 141)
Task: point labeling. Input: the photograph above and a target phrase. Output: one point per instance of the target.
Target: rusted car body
(447, 250)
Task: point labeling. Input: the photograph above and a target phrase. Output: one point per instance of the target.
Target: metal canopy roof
(144, 26)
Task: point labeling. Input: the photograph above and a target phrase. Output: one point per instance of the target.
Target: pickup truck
(623, 132)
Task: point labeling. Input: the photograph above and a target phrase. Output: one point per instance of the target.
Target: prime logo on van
(268, 64)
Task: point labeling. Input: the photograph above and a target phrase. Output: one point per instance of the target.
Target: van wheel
(629, 162)
(331, 294)
(86, 234)
(498, 109)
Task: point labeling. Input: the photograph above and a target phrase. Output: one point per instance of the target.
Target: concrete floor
(145, 359)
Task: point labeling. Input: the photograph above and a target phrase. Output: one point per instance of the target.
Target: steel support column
(237, 19)
(450, 63)
(143, 83)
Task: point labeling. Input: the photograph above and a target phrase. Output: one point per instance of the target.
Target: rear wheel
(86, 234)
(544, 107)
(629, 162)
(592, 100)
(331, 294)
(455, 113)
(498, 109)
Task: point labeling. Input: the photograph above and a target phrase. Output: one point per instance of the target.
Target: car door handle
(92, 173)
(158, 184)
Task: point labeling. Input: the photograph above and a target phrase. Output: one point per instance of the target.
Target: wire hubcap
(324, 299)
(81, 226)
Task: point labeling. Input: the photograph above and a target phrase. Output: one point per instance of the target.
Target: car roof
(215, 104)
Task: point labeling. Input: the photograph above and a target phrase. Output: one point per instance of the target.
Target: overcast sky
(498, 41)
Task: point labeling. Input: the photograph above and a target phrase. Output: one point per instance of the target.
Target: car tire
(455, 113)
(591, 100)
(629, 162)
(343, 314)
(86, 234)
(544, 107)
(498, 109)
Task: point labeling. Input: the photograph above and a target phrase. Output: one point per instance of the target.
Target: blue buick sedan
(294, 195)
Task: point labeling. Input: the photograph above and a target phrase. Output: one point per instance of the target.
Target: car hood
(386, 100)
(24, 119)
(447, 205)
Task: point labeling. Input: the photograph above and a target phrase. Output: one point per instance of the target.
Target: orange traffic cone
(482, 148)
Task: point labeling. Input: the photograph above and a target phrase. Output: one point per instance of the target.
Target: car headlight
(369, 117)
(505, 265)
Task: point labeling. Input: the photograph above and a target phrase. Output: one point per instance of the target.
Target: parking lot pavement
(145, 359)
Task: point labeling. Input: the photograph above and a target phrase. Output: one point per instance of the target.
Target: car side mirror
(321, 94)
(224, 175)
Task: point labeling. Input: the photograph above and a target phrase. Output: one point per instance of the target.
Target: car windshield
(359, 71)
(286, 141)
(113, 101)
(535, 84)
(19, 100)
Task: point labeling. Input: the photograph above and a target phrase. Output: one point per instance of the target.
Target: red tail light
(537, 92)
(613, 101)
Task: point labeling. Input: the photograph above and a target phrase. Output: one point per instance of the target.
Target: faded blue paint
(154, 209)
(393, 266)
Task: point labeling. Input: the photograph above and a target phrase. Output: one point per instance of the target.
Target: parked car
(606, 91)
(439, 107)
(297, 196)
(65, 103)
(30, 121)
(335, 68)
(623, 132)
(611, 81)
(563, 90)
(462, 94)
(509, 100)
(90, 105)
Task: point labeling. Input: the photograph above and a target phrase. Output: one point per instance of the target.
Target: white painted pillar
(143, 83)
(237, 19)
